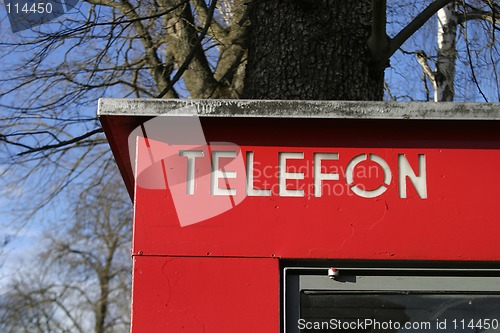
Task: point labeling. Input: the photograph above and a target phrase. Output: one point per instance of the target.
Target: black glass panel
(368, 312)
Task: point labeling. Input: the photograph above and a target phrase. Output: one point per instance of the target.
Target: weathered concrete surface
(299, 109)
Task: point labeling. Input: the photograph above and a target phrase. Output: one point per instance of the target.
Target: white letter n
(419, 182)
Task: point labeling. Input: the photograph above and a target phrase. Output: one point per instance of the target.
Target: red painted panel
(459, 213)
(209, 295)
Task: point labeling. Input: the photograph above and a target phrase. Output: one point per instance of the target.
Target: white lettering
(221, 174)
(368, 193)
(419, 182)
(191, 155)
(318, 175)
(251, 190)
(284, 176)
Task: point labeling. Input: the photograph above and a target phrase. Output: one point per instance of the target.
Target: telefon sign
(309, 179)
(206, 179)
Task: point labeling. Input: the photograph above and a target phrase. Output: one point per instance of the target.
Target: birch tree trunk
(444, 76)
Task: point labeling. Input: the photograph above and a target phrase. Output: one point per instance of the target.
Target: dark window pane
(414, 312)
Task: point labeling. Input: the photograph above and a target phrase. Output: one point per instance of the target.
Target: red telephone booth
(308, 216)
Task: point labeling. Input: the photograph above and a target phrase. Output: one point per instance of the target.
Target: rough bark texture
(311, 49)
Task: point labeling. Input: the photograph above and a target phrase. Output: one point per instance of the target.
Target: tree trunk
(445, 67)
(311, 49)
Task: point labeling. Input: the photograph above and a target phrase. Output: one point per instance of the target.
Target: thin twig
(469, 58)
(62, 143)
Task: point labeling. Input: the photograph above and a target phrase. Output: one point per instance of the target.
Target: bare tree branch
(422, 60)
(398, 40)
(490, 17)
(62, 143)
(195, 48)
(473, 72)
